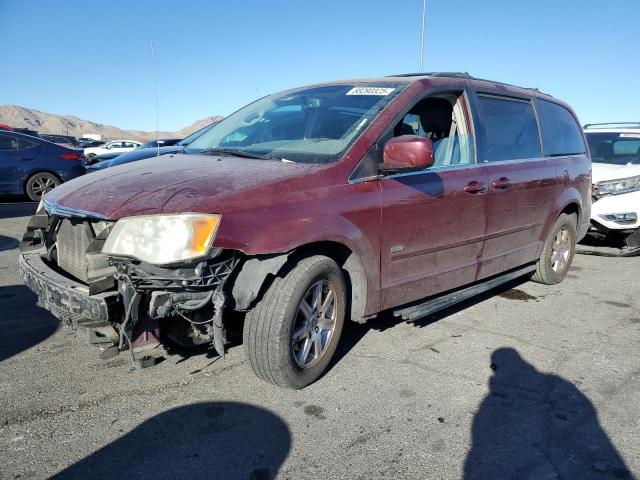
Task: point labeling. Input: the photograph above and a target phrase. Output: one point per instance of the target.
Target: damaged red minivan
(314, 206)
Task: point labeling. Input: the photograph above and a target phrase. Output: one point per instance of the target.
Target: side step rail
(443, 301)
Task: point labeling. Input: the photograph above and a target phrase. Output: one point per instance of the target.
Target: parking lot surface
(527, 382)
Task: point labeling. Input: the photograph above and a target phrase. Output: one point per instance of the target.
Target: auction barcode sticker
(370, 91)
(630, 135)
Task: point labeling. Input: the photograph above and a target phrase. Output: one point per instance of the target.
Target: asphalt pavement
(527, 382)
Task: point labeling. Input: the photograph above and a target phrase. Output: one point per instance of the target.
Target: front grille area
(72, 240)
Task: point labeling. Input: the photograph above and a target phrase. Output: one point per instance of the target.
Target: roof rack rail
(462, 75)
(435, 74)
(609, 123)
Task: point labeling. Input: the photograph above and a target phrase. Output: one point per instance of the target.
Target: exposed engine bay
(124, 304)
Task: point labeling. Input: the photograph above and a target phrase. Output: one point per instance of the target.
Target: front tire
(291, 334)
(558, 252)
(39, 184)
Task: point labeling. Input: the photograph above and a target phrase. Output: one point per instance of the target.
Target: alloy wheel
(42, 185)
(314, 324)
(561, 251)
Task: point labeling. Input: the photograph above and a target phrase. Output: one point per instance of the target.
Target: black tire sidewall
(322, 270)
(32, 178)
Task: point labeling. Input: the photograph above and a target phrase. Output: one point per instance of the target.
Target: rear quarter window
(508, 129)
(560, 132)
(8, 142)
(24, 143)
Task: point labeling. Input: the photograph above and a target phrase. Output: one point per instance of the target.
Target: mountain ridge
(23, 117)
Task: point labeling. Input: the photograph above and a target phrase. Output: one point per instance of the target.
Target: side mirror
(408, 152)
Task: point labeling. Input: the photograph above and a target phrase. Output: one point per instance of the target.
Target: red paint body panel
(415, 235)
(432, 233)
(517, 212)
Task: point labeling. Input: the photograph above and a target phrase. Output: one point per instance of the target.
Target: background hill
(21, 117)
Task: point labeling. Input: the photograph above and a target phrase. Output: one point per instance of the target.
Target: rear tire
(291, 334)
(39, 184)
(558, 252)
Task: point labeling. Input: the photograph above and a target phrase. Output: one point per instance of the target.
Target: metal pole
(155, 88)
(424, 12)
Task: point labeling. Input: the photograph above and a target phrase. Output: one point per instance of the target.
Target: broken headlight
(614, 187)
(162, 239)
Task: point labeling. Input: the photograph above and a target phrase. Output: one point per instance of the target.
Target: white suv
(115, 146)
(615, 153)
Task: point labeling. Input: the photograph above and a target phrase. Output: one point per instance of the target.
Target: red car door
(433, 220)
(433, 224)
(522, 183)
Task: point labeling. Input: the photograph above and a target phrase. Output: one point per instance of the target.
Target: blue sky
(92, 58)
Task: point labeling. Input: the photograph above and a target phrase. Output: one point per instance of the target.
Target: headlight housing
(162, 239)
(615, 187)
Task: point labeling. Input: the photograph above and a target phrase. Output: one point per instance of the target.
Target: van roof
(463, 75)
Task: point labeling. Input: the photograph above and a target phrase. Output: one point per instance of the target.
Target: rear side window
(509, 129)
(560, 132)
(8, 142)
(24, 143)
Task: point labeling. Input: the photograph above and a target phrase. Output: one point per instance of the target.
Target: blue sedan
(33, 166)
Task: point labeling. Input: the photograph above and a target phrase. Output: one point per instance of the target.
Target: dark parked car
(142, 153)
(88, 143)
(314, 206)
(64, 140)
(24, 131)
(162, 142)
(32, 166)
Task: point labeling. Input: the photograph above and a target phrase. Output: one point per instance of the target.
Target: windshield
(614, 148)
(190, 138)
(312, 125)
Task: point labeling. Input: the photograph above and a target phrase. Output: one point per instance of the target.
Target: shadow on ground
(200, 441)
(534, 425)
(8, 243)
(23, 324)
(16, 207)
(354, 332)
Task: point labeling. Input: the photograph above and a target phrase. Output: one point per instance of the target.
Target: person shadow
(23, 324)
(210, 440)
(534, 425)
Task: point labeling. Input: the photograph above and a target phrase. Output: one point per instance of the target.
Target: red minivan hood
(170, 184)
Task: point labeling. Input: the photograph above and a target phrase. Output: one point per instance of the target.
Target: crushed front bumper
(66, 299)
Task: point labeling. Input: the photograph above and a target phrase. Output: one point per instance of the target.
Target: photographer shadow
(534, 425)
(212, 440)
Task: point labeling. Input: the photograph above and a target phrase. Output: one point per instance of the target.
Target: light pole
(424, 13)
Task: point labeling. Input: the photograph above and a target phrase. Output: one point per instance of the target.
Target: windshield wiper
(236, 153)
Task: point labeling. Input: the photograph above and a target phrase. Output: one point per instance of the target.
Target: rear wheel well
(572, 209)
(352, 270)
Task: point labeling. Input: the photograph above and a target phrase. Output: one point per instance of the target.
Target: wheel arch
(256, 274)
(569, 201)
(572, 208)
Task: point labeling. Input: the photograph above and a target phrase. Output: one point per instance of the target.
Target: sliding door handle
(501, 183)
(475, 187)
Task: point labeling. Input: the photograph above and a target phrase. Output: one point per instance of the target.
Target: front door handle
(475, 187)
(501, 183)
(26, 159)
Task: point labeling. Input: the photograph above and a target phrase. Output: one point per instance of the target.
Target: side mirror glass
(408, 152)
